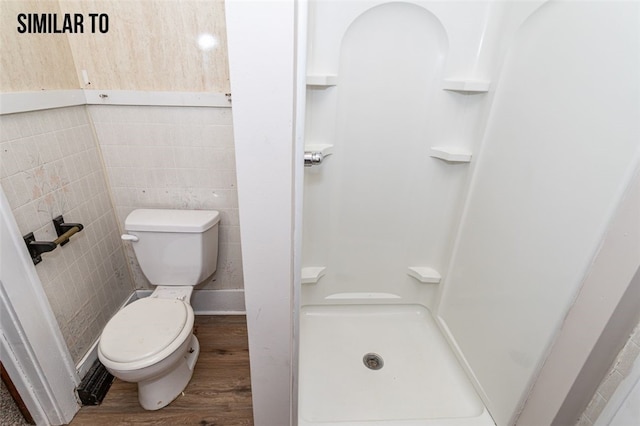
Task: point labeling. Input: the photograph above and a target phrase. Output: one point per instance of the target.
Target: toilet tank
(175, 247)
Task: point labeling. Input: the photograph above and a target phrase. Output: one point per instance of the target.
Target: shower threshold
(381, 364)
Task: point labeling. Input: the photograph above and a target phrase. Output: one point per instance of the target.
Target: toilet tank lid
(166, 220)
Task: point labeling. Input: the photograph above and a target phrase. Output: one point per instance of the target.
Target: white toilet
(151, 340)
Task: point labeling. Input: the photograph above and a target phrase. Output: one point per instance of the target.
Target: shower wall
(397, 95)
(560, 147)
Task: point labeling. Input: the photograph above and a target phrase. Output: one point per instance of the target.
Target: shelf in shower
(424, 274)
(361, 296)
(323, 148)
(311, 274)
(451, 154)
(322, 80)
(466, 86)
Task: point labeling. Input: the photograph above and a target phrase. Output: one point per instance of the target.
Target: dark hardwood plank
(219, 393)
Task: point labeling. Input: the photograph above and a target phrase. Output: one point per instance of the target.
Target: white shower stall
(474, 154)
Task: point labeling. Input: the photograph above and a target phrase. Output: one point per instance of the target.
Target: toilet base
(160, 391)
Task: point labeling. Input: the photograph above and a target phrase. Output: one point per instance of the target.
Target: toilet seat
(145, 332)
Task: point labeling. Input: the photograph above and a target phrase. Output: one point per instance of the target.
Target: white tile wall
(619, 370)
(50, 165)
(178, 158)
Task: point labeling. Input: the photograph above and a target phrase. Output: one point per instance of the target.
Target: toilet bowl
(151, 340)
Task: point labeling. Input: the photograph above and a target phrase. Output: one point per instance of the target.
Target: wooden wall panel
(30, 62)
(153, 45)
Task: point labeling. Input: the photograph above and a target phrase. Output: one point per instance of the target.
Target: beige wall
(50, 160)
(50, 165)
(32, 62)
(152, 45)
(175, 158)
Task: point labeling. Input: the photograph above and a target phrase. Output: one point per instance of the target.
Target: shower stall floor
(420, 381)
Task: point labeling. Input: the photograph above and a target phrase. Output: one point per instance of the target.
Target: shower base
(416, 380)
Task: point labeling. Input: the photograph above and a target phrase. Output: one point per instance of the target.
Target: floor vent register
(95, 384)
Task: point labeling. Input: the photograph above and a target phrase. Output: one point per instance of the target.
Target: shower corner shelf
(424, 274)
(323, 148)
(322, 80)
(451, 154)
(466, 86)
(311, 274)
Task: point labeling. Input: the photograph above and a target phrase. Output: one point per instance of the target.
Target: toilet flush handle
(128, 237)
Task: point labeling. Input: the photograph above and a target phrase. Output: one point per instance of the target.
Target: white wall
(261, 42)
(557, 155)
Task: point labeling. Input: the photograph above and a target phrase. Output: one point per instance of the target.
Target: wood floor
(219, 393)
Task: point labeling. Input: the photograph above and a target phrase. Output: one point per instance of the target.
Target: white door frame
(32, 347)
(264, 68)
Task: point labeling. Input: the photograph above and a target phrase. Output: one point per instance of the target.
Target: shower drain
(373, 361)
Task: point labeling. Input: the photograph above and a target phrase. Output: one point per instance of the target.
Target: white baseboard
(204, 302)
(218, 302)
(212, 302)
